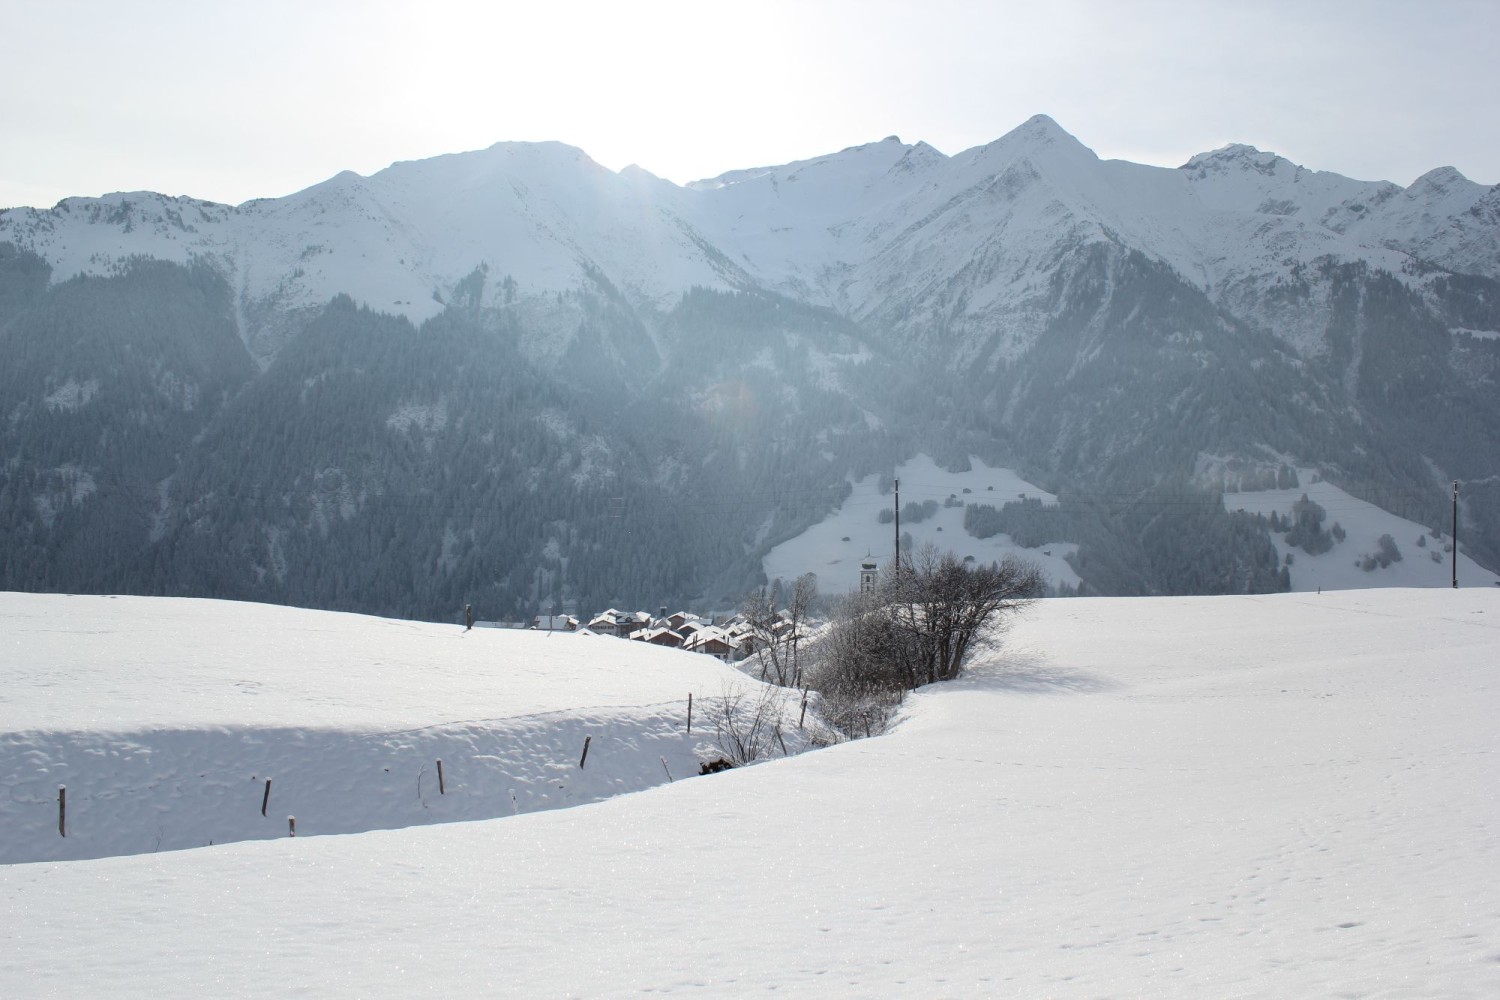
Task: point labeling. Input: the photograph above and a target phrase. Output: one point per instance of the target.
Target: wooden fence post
(265, 799)
(585, 750)
(62, 810)
(804, 709)
(291, 822)
(664, 767)
(440, 778)
(690, 712)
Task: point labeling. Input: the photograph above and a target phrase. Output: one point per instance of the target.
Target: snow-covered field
(834, 547)
(1282, 796)
(1423, 561)
(165, 718)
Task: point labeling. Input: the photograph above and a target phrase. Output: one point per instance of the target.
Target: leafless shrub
(745, 727)
(920, 624)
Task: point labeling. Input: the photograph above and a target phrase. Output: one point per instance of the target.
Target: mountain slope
(516, 374)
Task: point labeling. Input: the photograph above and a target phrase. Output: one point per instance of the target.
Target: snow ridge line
(1076, 766)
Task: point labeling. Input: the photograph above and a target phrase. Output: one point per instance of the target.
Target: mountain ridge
(574, 333)
(540, 211)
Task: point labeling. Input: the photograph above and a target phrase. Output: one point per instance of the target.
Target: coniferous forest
(377, 465)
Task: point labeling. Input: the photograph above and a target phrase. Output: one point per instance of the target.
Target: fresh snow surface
(834, 547)
(165, 718)
(1283, 796)
(1340, 567)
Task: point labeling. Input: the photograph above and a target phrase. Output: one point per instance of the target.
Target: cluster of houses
(732, 640)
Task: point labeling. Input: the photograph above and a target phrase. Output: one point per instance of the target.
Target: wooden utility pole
(1455, 534)
(898, 527)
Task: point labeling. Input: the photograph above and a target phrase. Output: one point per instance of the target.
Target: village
(730, 640)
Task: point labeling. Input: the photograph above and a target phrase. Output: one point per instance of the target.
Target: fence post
(664, 767)
(585, 750)
(440, 778)
(690, 712)
(62, 810)
(804, 709)
(291, 822)
(265, 799)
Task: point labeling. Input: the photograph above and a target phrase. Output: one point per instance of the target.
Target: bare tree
(804, 593)
(758, 608)
(949, 610)
(778, 632)
(745, 730)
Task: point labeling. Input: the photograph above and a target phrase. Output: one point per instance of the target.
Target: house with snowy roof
(713, 641)
(658, 637)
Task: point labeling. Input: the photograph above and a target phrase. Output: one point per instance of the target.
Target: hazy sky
(230, 101)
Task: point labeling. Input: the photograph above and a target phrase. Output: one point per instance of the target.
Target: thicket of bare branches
(746, 729)
(778, 632)
(921, 623)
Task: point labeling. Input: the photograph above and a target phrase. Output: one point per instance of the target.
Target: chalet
(602, 624)
(630, 621)
(555, 623)
(607, 622)
(658, 637)
(712, 640)
(689, 627)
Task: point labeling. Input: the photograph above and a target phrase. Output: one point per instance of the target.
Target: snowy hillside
(1423, 557)
(165, 719)
(1261, 797)
(834, 548)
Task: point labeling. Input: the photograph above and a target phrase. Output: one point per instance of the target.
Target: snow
(1236, 796)
(1339, 568)
(164, 718)
(833, 548)
(429, 418)
(883, 232)
(72, 394)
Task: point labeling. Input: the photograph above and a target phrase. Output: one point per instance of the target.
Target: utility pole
(898, 525)
(1455, 534)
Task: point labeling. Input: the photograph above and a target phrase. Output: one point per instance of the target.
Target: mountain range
(515, 378)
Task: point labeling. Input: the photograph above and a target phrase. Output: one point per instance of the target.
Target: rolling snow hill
(165, 720)
(1288, 795)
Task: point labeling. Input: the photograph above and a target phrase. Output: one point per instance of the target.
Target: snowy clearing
(1277, 796)
(1423, 562)
(834, 547)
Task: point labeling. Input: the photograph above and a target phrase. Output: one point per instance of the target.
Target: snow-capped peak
(1236, 156)
(850, 229)
(1439, 180)
(1035, 136)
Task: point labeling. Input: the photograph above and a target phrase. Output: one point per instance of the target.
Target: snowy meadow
(1288, 795)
